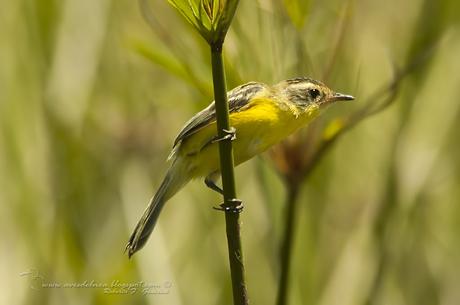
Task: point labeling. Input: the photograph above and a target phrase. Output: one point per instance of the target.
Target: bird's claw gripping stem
(236, 206)
(229, 134)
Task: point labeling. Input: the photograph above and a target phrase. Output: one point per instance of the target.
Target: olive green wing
(237, 99)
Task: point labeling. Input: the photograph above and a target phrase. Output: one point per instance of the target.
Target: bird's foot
(233, 206)
(229, 135)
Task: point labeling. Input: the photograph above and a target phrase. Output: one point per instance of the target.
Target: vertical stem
(232, 219)
(286, 247)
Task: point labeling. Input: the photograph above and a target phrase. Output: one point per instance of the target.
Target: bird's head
(306, 92)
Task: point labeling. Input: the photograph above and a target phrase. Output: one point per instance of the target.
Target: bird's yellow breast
(259, 125)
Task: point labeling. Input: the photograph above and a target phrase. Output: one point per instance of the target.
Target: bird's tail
(175, 179)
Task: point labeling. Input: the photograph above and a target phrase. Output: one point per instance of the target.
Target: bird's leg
(235, 206)
(210, 182)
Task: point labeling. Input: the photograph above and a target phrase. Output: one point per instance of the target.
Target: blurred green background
(92, 94)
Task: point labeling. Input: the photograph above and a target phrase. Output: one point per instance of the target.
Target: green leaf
(162, 59)
(211, 18)
(226, 12)
(188, 9)
(172, 65)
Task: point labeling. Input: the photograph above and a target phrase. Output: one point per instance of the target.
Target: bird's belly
(262, 130)
(251, 143)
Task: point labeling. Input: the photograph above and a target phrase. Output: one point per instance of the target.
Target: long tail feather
(175, 179)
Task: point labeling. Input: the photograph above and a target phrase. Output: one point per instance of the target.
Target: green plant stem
(232, 218)
(286, 247)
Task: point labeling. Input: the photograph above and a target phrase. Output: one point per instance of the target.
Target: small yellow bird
(260, 116)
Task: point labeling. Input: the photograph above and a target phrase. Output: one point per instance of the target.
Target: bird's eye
(313, 93)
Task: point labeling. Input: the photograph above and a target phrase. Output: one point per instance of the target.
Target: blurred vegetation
(92, 94)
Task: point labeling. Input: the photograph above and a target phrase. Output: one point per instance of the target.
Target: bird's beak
(340, 97)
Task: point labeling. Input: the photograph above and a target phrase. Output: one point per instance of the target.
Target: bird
(260, 116)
